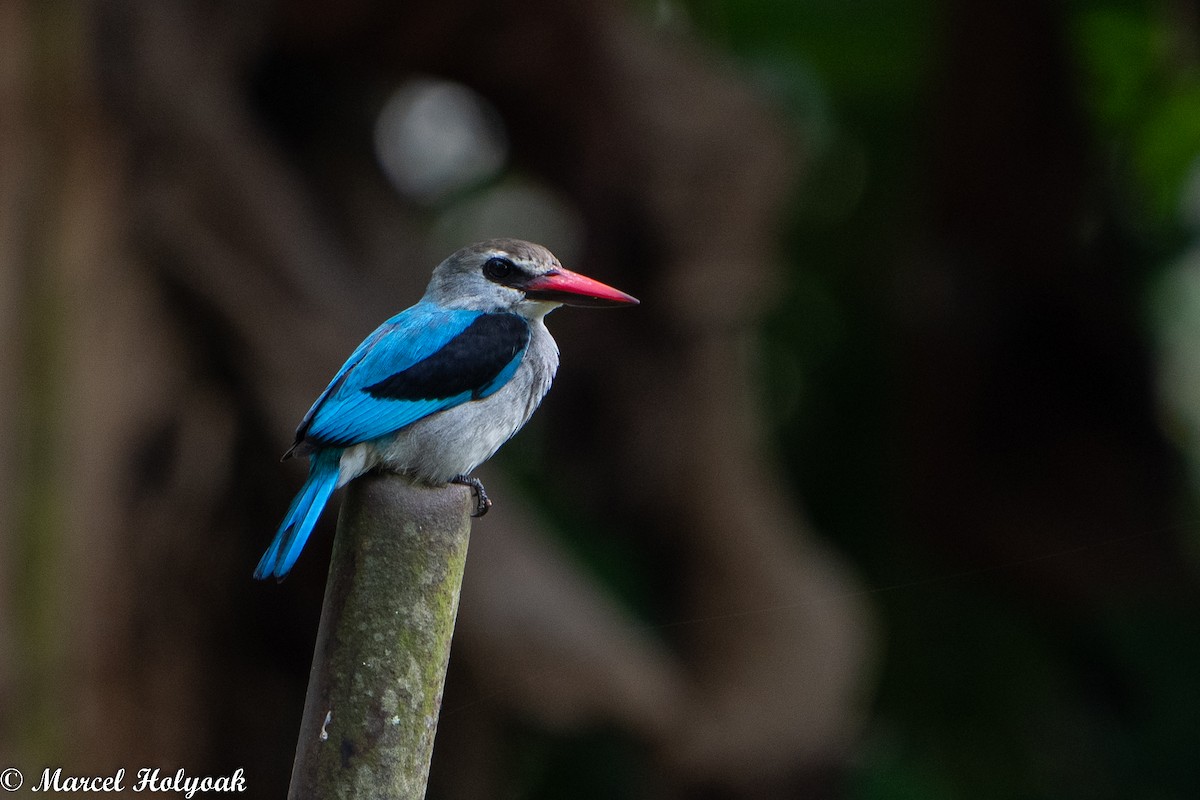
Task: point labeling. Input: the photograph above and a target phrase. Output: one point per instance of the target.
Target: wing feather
(422, 361)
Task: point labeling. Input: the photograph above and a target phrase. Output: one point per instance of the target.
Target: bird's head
(517, 276)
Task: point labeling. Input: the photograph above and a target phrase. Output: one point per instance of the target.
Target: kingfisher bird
(438, 388)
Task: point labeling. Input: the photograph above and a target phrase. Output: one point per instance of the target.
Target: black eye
(497, 268)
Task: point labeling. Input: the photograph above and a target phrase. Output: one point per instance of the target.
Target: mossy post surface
(375, 689)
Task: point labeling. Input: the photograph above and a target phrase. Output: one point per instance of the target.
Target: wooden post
(379, 666)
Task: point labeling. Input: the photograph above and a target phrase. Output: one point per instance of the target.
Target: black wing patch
(470, 362)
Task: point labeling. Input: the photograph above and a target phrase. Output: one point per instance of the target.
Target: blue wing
(421, 361)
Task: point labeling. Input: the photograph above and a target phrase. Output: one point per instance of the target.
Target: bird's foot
(482, 502)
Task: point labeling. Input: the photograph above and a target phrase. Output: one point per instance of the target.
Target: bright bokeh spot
(434, 138)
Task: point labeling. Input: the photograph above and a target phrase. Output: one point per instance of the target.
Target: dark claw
(482, 502)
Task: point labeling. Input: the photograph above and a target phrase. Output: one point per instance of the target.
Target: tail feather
(301, 517)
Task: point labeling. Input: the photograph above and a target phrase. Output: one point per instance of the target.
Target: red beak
(563, 286)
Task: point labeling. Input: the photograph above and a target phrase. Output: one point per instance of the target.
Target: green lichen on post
(384, 641)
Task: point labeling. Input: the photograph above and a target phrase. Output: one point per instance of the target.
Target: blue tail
(302, 516)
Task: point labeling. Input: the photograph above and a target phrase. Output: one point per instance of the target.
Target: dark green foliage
(996, 683)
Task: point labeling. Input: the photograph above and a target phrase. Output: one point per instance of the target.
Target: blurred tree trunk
(1029, 403)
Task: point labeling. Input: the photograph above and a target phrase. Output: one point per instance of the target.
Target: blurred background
(887, 491)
